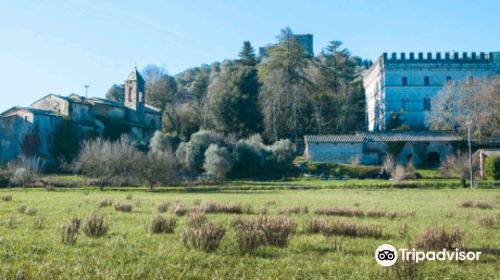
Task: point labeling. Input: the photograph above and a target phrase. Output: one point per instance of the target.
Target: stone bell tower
(135, 95)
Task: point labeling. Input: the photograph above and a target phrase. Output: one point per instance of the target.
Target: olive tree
(217, 162)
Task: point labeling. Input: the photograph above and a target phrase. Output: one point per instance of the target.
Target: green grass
(131, 252)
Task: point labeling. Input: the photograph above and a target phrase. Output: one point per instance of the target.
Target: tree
(283, 93)
(65, 141)
(477, 100)
(157, 167)
(456, 165)
(232, 101)
(191, 155)
(161, 142)
(104, 159)
(247, 55)
(116, 93)
(217, 161)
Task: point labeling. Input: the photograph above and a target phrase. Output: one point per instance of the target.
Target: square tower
(135, 95)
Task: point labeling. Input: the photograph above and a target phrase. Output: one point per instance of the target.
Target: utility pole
(86, 90)
(469, 123)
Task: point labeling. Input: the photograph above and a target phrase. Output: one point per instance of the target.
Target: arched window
(404, 81)
(426, 81)
(448, 80)
(129, 94)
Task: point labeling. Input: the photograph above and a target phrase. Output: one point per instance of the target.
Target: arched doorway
(433, 159)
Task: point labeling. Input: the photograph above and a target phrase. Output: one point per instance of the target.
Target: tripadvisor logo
(387, 255)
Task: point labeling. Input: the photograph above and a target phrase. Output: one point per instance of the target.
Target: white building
(406, 84)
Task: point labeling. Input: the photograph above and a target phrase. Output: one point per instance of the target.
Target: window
(130, 94)
(426, 81)
(25, 118)
(427, 103)
(448, 81)
(404, 81)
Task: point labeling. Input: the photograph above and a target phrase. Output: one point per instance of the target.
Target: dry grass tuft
(483, 205)
(128, 197)
(95, 226)
(490, 221)
(435, 238)
(207, 237)
(104, 203)
(314, 225)
(161, 224)
(178, 209)
(21, 209)
(163, 207)
(467, 204)
(350, 229)
(254, 232)
(69, 231)
(249, 235)
(196, 218)
(336, 211)
(293, 210)
(30, 211)
(7, 197)
(38, 222)
(123, 206)
(196, 202)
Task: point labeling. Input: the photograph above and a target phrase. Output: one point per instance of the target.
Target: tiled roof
(382, 137)
(32, 110)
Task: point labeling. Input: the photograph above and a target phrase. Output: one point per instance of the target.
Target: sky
(60, 46)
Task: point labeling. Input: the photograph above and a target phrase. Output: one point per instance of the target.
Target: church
(30, 131)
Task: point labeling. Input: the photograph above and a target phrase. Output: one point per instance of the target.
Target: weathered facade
(30, 131)
(406, 84)
(420, 148)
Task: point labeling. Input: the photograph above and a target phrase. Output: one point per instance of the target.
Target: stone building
(406, 84)
(420, 148)
(30, 130)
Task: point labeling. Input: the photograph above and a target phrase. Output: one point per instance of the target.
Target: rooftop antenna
(86, 90)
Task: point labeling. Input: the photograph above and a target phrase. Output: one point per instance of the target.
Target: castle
(406, 84)
(30, 131)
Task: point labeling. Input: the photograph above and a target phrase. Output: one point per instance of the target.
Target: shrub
(157, 168)
(350, 229)
(7, 197)
(492, 167)
(277, 230)
(336, 211)
(254, 232)
(161, 224)
(38, 223)
(191, 155)
(25, 171)
(399, 173)
(128, 197)
(436, 238)
(218, 161)
(314, 225)
(163, 207)
(490, 221)
(69, 231)
(207, 237)
(178, 209)
(123, 206)
(483, 205)
(105, 203)
(95, 226)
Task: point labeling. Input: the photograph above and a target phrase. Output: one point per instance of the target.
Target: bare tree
(478, 100)
(158, 167)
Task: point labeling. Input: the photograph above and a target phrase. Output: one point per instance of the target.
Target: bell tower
(135, 94)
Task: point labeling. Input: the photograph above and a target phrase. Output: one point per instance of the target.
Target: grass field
(129, 251)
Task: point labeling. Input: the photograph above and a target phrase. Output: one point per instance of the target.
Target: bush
(196, 218)
(277, 230)
(435, 238)
(158, 168)
(217, 161)
(399, 173)
(30, 211)
(25, 171)
(207, 237)
(69, 231)
(104, 203)
(161, 224)
(21, 209)
(123, 206)
(342, 170)
(483, 205)
(95, 226)
(254, 232)
(7, 197)
(163, 207)
(492, 167)
(315, 225)
(467, 203)
(191, 155)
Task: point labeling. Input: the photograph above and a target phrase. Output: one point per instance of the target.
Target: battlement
(454, 57)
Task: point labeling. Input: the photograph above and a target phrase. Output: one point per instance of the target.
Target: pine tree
(247, 55)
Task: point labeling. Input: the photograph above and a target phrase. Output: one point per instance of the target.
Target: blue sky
(59, 46)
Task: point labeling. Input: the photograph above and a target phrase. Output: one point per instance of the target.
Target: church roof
(382, 137)
(32, 110)
(135, 76)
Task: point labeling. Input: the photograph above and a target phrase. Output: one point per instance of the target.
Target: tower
(135, 94)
